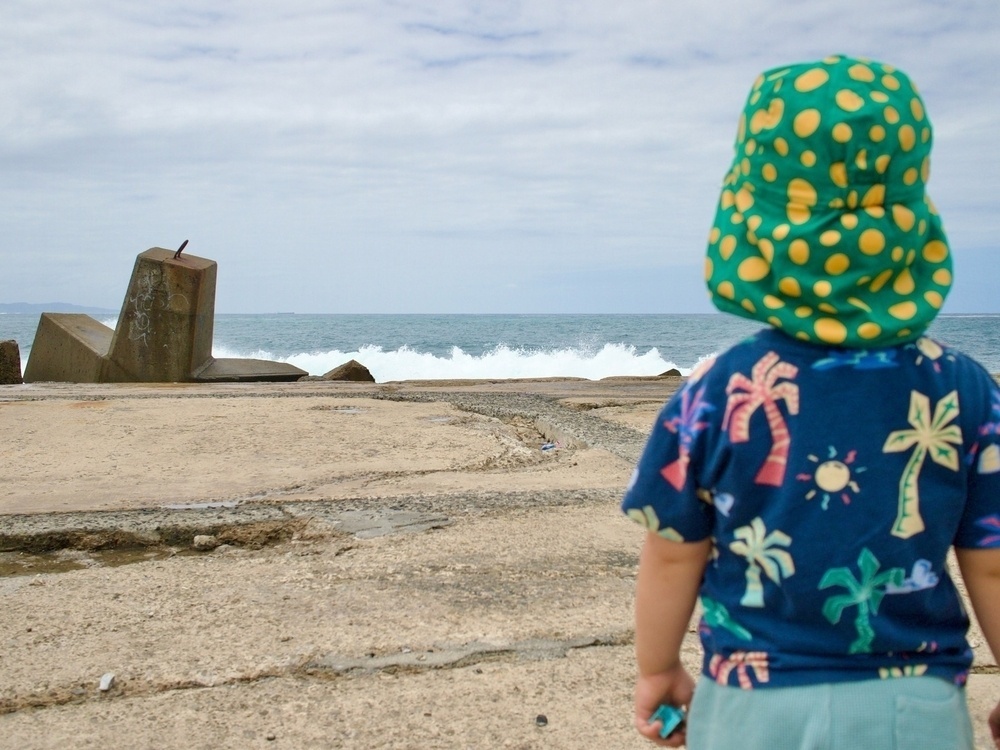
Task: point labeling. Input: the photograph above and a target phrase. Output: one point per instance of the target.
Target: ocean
(433, 347)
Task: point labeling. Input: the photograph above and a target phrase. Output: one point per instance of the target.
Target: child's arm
(666, 590)
(981, 573)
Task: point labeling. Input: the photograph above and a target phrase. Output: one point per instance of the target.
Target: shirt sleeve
(980, 525)
(664, 494)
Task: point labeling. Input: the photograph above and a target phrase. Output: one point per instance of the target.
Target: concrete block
(68, 348)
(10, 363)
(167, 320)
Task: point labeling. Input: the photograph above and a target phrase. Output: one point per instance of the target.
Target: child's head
(824, 229)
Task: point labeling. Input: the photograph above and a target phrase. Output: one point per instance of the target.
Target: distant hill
(64, 307)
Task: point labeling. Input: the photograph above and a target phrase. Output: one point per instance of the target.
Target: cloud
(372, 147)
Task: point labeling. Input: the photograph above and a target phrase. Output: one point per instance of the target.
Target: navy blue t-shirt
(833, 483)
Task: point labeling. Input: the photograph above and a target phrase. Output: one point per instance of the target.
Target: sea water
(418, 347)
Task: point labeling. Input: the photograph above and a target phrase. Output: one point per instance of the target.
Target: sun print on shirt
(833, 477)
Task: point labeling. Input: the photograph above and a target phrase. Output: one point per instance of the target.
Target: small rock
(271, 737)
(107, 680)
(673, 372)
(541, 720)
(205, 542)
(351, 370)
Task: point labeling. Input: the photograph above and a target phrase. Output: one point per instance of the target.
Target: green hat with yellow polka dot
(824, 229)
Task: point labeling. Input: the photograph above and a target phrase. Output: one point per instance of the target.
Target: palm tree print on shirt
(686, 426)
(754, 543)
(763, 389)
(932, 435)
(866, 594)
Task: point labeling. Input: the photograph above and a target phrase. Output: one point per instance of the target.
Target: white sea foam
(500, 363)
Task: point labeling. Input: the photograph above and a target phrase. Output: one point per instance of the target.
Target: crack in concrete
(331, 666)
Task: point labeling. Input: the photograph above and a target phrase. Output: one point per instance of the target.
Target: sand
(326, 565)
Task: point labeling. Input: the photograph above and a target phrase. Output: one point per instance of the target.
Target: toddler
(808, 483)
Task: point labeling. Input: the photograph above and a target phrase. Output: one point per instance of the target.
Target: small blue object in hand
(671, 717)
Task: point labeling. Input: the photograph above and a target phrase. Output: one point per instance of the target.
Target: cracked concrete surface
(447, 599)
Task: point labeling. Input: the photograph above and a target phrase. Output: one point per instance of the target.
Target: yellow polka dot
(922, 226)
(725, 289)
(727, 200)
(837, 203)
(910, 257)
(822, 288)
(869, 330)
(861, 160)
(860, 304)
(808, 158)
(861, 72)
(925, 135)
(806, 122)
(736, 218)
(879, 96)
(714, 235)
(769, 172)
(811, 79)
(829, 238)
(876, 133)
(744, 200)
(772, 302)
(934, 299)
(741, 131)
(802, 335)
(750, 147)
(935, 251)
(904, 217)
(904, 284)
(745, 167)
(836, 264)
(881, 280)
(798, 251)
(882, 163)
(775, 321)
(753, 269)
(910, 176)
(727, 247)
(850, 221)
(797, 214)
(789, 286)
(871, 242)
(891, 115)
(765, 119)
(749, 306)
(852, 199)
(848, 101)
(903, 332)
(897, 254)
(781, 231)
(838, 173)
(875, 196)
(802, 192)
(925, 169)
(803, 311)
(891, 83)
(917, 108)
(841, 132)
(709, 268)
(754, 222)
(827, 308)
(766, 249)
(876, 212)
(942, 277)
(830, 330)
(903, 310)
(781, 146)
(907, 137)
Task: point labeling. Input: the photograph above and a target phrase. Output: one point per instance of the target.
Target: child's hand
(674, 687)
(995, 725)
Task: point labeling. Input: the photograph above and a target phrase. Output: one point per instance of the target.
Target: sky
(438, 156)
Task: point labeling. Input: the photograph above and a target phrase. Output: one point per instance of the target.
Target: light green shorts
(909, 713)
